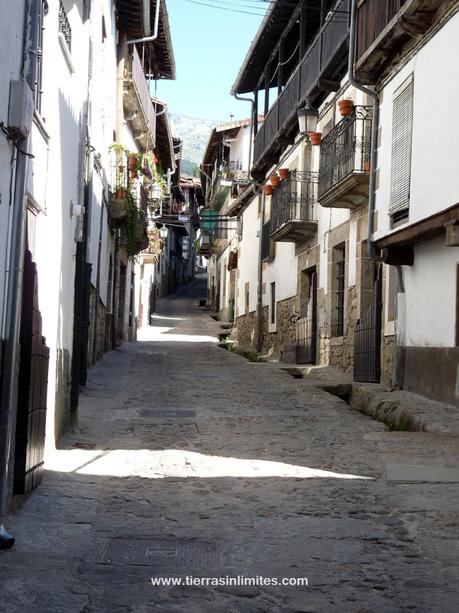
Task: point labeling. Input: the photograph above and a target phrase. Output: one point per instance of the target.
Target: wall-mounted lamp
(307, 119)
(163, 232)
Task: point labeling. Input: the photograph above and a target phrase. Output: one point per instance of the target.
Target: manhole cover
(169, 413)
(164, 555)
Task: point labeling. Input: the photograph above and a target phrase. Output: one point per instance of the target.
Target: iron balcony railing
(295, 199)
(346, 149)
(135, 73)
(320, 56)
(64, 25)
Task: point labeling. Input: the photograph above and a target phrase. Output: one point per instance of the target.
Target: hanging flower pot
(121, 193)
(345, 106)
(132, 162)
(268, 190)
(284, 173)
(315, 137)
(275, 180)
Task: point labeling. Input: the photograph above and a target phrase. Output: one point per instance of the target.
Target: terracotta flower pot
(284, 173)
(345, 107)
(268, 190)
(275, 180)
(315, 137)
(121, 193)
(132, 162)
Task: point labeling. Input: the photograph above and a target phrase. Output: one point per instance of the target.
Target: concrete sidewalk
(190, 460)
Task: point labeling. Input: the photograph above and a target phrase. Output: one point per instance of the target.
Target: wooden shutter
(402, 136)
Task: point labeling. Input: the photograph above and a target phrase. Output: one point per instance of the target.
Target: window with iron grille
(273, 303)
(402, 136)
(64, 25)
(339, 267)
(38, 90)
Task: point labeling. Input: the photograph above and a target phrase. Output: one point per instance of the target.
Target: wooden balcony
(293, 208)
(344, 169)
(323, 63)
(138, 107)
(383, 28)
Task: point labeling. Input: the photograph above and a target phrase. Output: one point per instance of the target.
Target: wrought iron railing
(346, 149)
(64, 25)
(321, 54)
(295, 199)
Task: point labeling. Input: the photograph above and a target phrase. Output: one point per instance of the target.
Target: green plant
(131, 225)
(117, 148)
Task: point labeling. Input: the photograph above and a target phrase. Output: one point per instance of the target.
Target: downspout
(11, 322)
(252, 102)
(259, 321)
(374, 132)
(400, 320)
(146, 11)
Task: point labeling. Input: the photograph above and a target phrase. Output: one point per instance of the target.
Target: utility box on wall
(20, 112)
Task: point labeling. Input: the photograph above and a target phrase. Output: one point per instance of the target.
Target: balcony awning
(164, 141)
(272, 27)
(159, 52)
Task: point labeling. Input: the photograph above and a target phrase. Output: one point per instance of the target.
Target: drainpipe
(254, 119)
(146, 11)
(400, 321)
(13, 299)
(374, 132)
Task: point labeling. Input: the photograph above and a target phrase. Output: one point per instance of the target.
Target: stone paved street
(190, 460)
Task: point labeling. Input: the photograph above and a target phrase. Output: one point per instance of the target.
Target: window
(273, 304)
(247, 298)
(339, 269)
(38, 91)
(402, 136)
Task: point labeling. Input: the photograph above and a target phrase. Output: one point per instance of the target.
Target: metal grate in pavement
(168, 413)
(164, 555)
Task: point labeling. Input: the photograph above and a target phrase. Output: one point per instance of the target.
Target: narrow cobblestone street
(190, 460)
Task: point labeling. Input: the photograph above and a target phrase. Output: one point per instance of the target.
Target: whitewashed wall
(435, 159)
(248, 258)
(11, 32)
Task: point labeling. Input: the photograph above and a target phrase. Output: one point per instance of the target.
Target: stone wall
(387, 359)
(64, 419)
(285, 334)
(245, 326)
(342, 348)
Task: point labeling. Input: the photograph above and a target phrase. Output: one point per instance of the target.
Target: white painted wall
(11, 32)
(430, 287)
(248, 258)
(435, 158)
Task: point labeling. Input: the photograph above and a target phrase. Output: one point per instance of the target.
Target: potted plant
(345, 106)
(315, 137)
(284, 173)
(268, 189)
(275, 180)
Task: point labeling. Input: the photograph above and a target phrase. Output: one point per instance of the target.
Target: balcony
(138, 106)
(322, 63)
(383, 28)
(344, 169)
(294, 205)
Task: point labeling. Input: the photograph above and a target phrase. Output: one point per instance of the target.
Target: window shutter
(402, 136)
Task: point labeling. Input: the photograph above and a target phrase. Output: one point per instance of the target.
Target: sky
(210, 44)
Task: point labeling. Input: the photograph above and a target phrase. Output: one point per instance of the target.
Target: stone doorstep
(398, 409)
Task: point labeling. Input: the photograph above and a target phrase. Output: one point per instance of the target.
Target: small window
(247, 298)
(273, 304)
(402, 136)
(338, 285)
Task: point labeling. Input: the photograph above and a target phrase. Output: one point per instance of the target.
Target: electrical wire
(7, 133)
(222, 8)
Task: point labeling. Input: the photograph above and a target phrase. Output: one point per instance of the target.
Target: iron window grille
(339, 327)
(295, 199)
(38, 90)
(64, 25)
(346, 149)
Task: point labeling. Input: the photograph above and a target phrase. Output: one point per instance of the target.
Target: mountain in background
(195, 134)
